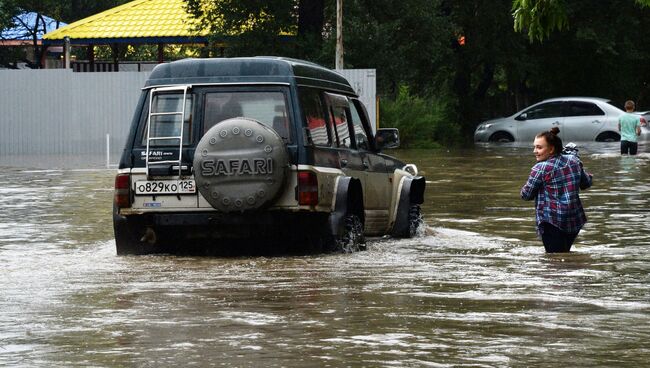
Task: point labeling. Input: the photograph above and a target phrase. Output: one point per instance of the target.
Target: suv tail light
(307, 188)
(123, 190)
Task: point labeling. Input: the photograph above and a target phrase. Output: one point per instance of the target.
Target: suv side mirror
(521, 117)
(387, 138)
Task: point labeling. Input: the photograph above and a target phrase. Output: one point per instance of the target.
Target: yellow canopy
(139, 20)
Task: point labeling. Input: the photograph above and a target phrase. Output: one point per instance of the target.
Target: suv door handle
(344, 162)
(556, 123)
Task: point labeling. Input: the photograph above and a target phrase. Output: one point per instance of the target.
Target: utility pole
(339, 35)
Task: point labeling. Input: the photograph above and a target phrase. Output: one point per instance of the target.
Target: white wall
(58, 111)
(364, 82)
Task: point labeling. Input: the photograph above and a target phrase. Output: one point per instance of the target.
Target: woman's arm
(586, 179)
(534, 183)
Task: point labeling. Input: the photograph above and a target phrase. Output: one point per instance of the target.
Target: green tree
(538, 18)
(261, 27)
(601, 54)
(422, 121)
(33, 29)
(408, 49)
(8, 10)
(73, 10)
(66, 11)
(491, 68)
(411, 43)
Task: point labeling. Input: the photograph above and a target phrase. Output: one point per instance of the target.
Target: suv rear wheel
(132, 237)
(352, 238)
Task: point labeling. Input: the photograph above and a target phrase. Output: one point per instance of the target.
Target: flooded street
(477, 290)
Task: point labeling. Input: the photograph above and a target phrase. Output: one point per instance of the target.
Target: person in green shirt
(629, 125)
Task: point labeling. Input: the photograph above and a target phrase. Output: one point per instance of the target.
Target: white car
(579, 119)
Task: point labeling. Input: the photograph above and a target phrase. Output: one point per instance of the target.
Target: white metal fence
(364, 82)
(61, 112)
(57, 111)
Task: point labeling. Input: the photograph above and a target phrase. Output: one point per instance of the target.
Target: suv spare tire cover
(240, 164)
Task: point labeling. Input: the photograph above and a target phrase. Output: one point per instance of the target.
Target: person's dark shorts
(556, 240)
(628, 147)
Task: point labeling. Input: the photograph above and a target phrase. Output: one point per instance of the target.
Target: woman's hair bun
(555, 130)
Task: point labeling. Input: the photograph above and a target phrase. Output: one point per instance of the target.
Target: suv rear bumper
(174, 226)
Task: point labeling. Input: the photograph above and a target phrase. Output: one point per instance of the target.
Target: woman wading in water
(555, 182)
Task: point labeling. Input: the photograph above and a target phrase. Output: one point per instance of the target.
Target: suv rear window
(269, 108)
(165, 119)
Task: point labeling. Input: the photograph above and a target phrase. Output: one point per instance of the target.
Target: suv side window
(312, 108)
(338, 112)
(360, 134)
(547, 110)
(167, 125)
(579, 108)
(340, 120)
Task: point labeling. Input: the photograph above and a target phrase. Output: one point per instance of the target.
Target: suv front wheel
(415, 220)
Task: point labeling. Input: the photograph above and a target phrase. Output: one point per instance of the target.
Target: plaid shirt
(555, 185)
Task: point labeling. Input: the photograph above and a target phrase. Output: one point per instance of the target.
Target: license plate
(165, 187)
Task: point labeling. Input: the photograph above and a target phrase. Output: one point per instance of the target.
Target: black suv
(257, 148)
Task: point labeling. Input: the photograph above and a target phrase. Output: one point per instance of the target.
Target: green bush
(422, 123)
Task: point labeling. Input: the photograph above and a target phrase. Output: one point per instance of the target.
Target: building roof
(141, 21)
(28, 23)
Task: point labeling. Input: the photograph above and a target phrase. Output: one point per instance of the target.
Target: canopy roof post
(66, 52)
(91, 57)
(116, 56)
(161, 48)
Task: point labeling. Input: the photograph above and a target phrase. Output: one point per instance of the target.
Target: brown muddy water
(477, 290)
